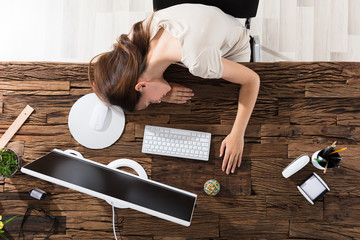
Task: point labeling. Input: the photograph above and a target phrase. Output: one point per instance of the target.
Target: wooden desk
(302, 107)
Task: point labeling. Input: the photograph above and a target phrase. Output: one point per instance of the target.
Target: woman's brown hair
(116, 73)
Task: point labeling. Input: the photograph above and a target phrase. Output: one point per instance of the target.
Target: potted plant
(9, 162)
(2, 225)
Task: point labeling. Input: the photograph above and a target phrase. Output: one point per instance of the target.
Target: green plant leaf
(3, 236)
(9, 220)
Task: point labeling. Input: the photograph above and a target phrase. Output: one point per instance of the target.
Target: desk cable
(117, 220)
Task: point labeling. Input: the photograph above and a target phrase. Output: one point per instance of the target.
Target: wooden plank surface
(301, 108)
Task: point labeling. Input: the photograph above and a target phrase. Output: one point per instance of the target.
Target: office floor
(75, 31)
(302, 107)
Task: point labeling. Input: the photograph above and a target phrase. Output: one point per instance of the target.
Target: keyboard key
(180, 132)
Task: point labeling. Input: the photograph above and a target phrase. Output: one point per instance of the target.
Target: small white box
(313, 188)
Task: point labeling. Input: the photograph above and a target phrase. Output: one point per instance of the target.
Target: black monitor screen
(115, 184)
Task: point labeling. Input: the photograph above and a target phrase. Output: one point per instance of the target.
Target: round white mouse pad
(82, 130)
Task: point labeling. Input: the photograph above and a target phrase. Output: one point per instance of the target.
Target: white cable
(113, 211)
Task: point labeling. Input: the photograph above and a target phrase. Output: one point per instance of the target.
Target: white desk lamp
(95, 125)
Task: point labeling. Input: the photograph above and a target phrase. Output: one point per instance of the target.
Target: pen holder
(323, 159)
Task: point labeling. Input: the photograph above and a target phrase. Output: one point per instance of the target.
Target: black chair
(237, 8)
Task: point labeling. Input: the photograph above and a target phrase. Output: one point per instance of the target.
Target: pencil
(334, 144)
(342, 149)
(326, 167)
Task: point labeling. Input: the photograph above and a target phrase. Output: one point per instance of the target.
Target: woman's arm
(233, 144)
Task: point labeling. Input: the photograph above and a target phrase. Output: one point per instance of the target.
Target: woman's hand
(233, 146)
(178, 94)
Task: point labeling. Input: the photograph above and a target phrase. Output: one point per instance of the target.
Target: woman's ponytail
(116, 73)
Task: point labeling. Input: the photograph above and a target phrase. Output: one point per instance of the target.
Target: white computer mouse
(98, 116)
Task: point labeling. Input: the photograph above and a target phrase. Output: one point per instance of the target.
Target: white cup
(316, 163)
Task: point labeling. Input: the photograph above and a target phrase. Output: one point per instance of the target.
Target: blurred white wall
(77, 30)
(64, 30)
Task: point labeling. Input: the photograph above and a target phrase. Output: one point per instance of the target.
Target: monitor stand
(123, 162)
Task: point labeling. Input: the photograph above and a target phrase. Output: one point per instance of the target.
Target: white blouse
(206, 34)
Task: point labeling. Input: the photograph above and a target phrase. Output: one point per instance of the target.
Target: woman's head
(117, 72)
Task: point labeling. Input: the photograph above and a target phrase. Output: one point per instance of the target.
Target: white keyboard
(176, 142)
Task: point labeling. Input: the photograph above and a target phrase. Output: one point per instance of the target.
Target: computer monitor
(115, 186)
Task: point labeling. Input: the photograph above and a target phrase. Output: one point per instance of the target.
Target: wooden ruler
(19, 121)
